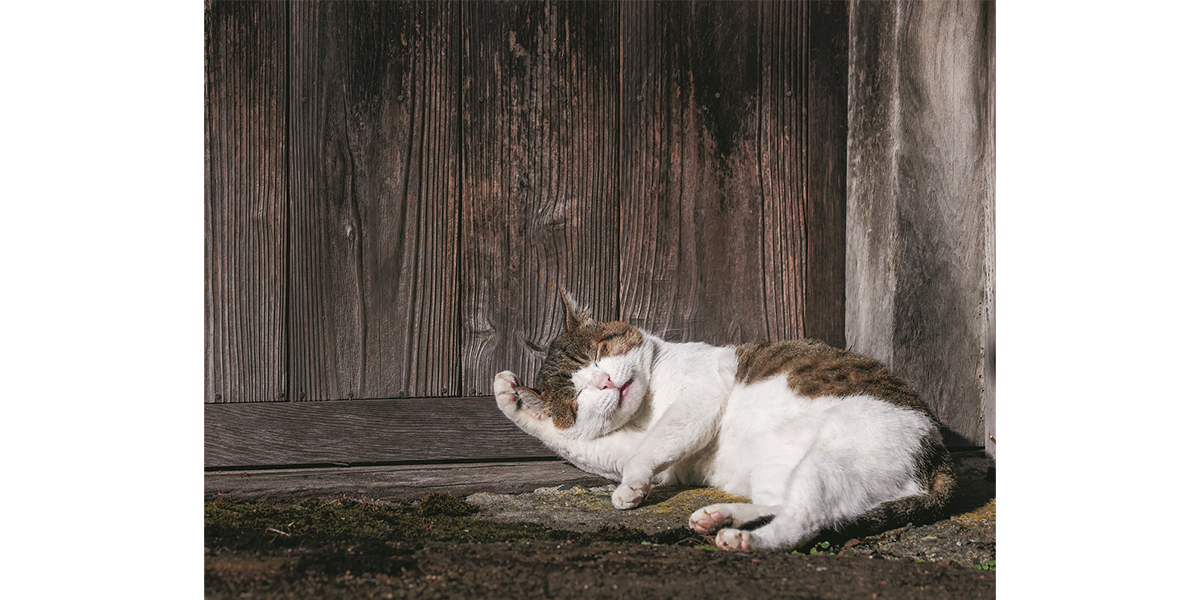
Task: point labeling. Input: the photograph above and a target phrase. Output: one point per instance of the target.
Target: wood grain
(920, 201)
(987, 91)
(393, 483)
(540, 177)
(692, 209)
(245, 195)
(782, 149)
(374, 200)
(825, 173)
(802, 160)
(362, 432)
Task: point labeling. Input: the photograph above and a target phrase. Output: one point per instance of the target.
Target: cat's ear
(576, 314)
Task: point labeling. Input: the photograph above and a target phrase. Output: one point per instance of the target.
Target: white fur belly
(767, 430)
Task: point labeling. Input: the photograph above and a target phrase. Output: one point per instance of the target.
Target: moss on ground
(987, 512)
(684, 501)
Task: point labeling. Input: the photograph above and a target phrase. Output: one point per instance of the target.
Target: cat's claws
(626, 496)
(506, 394)
(733, 539)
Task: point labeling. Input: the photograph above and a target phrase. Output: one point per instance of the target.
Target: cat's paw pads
(504, 386)
(627, 496)
(734, 539)
(709, 519)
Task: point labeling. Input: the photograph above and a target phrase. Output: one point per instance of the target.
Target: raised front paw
(515, 401)
(504, 385)
(627, 496)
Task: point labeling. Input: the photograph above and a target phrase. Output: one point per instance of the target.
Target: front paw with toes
(504, 386)
(628, 496)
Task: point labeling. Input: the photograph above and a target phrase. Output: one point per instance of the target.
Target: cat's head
(594, 377)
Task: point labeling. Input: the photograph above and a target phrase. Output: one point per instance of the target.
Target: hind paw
(734, 539)
(710, 519)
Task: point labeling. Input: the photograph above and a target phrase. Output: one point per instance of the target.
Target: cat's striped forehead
(573, 350)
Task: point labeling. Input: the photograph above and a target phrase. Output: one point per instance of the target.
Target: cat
(815, 436)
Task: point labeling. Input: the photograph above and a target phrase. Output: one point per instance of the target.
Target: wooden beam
(418, 430)
(403, 482)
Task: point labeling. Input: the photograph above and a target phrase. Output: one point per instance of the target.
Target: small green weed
(987, 566)
(818, 548)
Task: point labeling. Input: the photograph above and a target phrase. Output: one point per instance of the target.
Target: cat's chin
(597, 423)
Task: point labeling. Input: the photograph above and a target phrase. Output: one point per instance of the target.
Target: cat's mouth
(624, 391)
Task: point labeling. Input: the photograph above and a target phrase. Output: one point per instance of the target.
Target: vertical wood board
(872, 186)
(733, 163)
(540, 189)
(691, 213)
(782, 145)
(825, 173)
(987, 94)
(374, 202)
(802, 141)
(922, 163)
(245, 194)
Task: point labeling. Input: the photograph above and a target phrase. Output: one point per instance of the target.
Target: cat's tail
(939, 484)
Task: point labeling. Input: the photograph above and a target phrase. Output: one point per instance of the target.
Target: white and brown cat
(815, 436)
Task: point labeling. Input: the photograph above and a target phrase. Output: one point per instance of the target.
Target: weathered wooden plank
(539, 176)
(245, 194)
(802, 159)
(393, 483)
(920, 200)
(692, 209)
(362, 432)
(825, 173)
(782, 144)
(374, 200)
(987, 366)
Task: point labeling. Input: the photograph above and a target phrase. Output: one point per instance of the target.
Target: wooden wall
(920, 278)
(395, 190)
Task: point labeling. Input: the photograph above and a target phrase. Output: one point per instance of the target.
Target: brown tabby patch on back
(572, 350)
(816, 369)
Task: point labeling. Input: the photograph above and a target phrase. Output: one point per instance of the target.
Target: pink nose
(601, 381)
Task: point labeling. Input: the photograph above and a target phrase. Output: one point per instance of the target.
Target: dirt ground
(569, 542)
